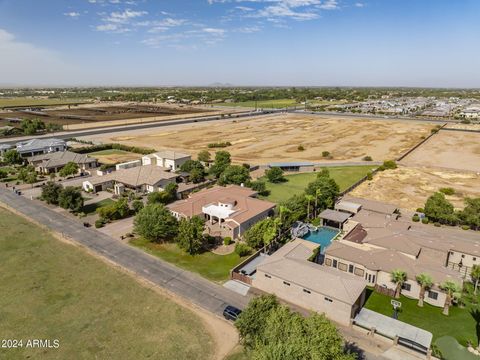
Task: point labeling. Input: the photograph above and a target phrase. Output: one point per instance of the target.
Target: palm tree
(318, 193)
(425, 281)
(398, 277)
(451, 288)
(475, 275)
(309, 199)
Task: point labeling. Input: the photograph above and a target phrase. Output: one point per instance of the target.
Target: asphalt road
(198, 290)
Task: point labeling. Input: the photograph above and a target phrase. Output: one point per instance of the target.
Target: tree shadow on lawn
(476, 316)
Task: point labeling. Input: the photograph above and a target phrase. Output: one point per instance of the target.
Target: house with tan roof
(288, 274)
(228, 211)
(144, 179)
(168, 159)
(54, 161)
(378, 243)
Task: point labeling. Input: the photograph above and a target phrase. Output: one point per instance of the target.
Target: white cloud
(359, 5)
(124, 17)
(72, 14)
(249, 29)
(214, 31)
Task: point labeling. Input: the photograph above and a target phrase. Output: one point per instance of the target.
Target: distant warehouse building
(294, 166)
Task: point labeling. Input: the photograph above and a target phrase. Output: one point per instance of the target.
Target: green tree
(475, 275)
(450, 288)
(12, 157)
(31, 127)
(255, 236)
(168, 195)
(190, 234)
(309, 199)
(197, 176)
(324, 189)
(222, 160)
(204, 156)
(252, 321)
(275, 175)
(398, 277)
(155, 223)
(189, 165)
(51, 192)
(71, 198)
(70, 168)
(3, 173)
(234, 174)
(137, 205)
(259, 186)
(439, 209)
(470, 215)
(425, 281)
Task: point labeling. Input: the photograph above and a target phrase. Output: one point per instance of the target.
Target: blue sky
(430, 43)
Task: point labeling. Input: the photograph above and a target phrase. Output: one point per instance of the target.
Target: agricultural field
(71, 115)
(409, 187)
(12, 102)
(264, 104)
(345, 176)
(95, 311)
(274, 138)
(456, 150)
(114, 156)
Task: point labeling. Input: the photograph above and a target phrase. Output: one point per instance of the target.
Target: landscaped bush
(369, 175)
(416, 218)
(389, 164)
(99, 223)
(465, 227)
(243, 249)
(447, 190)
(420, 210)
(113, 146)
(227, 240)
(425, 220)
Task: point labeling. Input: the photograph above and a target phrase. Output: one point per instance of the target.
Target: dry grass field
(114, 156)
(409, 187)
(276, 138)
(457, 150)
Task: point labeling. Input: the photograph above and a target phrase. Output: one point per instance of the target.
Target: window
(328, 299)
(334, 263)
(342, 266)
(328, 262)
(350, 268)
(268, 276)
(373, 278)
(286, 283)
(406, 287)
(433, 295)
(307, 291)
(359, 272)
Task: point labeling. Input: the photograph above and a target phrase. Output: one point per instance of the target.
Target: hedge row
(113, 146)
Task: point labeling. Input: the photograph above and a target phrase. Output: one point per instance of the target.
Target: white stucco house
(167, 159)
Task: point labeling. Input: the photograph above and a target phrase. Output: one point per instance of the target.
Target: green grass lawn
(39, 102)
(110, 152)
(52, 290)
(211, 266)
(296, 184)
(459, 324)
(92, 208)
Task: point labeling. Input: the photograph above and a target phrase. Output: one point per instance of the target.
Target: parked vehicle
(231, 312)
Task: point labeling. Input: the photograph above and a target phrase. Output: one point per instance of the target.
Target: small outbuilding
(334, 218)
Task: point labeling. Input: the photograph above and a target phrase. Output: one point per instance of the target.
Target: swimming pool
(323, 236)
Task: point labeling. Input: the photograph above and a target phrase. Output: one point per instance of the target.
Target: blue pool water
(323, 236)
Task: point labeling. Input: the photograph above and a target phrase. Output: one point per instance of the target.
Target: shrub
(369, 175)
(447, 190)
(227, 240)
(325, 153)
(300, 148)
(242, 249)
(420, 210)
(367, 158)
(465, 227)
(425, 220)
(437, 224)
(99, 223)
(219, 144)
(416, 218)
(389, 164)
(275, 175)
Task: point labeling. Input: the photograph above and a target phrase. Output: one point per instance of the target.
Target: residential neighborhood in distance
(240, 180)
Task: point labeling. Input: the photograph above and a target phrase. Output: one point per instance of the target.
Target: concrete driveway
(118, 228)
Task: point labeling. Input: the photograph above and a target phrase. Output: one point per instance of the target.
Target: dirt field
(409, 187)
(88, 114)
(448, 149)
(276, 138)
